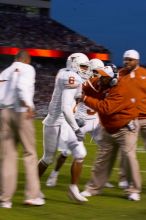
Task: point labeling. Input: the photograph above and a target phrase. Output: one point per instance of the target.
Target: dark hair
(22, 56)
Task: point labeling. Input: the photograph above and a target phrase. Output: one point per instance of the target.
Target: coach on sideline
(136, 75)
(136, 79)
(16, 124)
(117, 112)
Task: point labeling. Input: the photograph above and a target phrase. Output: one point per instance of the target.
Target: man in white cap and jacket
(136, 80)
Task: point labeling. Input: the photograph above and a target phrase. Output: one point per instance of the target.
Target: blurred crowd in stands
(45, 79)
(21, 30)
(27, 27)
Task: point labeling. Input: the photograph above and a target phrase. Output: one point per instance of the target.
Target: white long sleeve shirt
(19, 85)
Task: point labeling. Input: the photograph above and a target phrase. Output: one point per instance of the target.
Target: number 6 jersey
(63, 97)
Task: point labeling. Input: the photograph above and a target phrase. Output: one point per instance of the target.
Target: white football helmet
(79, 63)
(96, 64)
(72, 57)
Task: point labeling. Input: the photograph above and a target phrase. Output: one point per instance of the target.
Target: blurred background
(51, 31)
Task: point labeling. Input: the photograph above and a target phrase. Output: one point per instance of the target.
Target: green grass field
(108, 206)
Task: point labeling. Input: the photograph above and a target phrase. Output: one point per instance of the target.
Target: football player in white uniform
(87, 120)
(60, 123)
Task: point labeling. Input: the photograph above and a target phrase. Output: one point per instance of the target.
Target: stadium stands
(21, 29)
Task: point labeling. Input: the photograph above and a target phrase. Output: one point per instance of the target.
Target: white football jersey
(66, 85)
(84, 112)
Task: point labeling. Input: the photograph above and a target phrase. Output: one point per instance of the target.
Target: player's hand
(79, 134)
(30, 113)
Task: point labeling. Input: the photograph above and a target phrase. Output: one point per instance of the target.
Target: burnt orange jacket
(116, 106)
(136, 84)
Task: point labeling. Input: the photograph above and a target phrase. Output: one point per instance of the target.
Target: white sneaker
(7, 205)
(52, 180)
(109, 185)
(134, 197)
(75, 194)
(36, 201)
(86, 194)
(123, 184)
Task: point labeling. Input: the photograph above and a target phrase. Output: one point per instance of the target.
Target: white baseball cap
(106, 71)
(131, 54)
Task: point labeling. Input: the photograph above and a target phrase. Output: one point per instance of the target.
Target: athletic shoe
(134, 197)
(86, 194)
(36, 201)
(7, 205)
(123, 184)
(109, 185)
(52, 180)
(74, 194)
